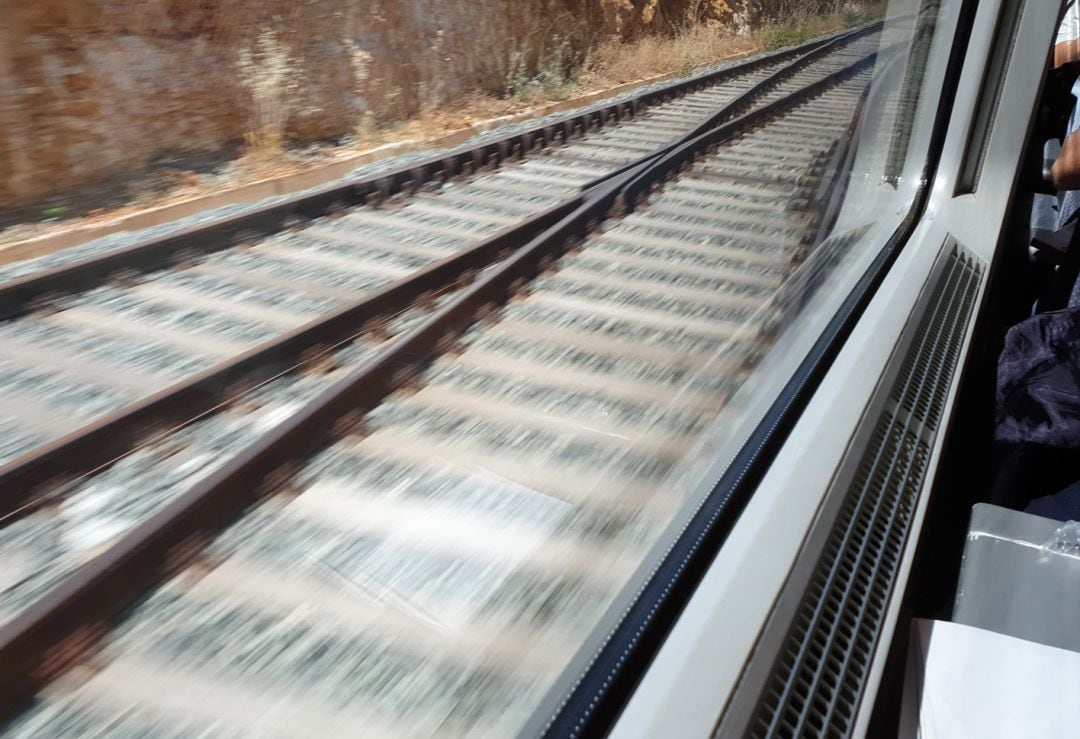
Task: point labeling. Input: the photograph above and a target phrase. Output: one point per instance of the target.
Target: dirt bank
(93, 89)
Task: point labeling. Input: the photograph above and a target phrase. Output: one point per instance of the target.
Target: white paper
(962, 682)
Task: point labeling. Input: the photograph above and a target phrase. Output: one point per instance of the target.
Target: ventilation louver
(816, 683)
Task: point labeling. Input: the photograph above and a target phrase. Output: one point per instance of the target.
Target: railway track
(107, 344)
(453, 479)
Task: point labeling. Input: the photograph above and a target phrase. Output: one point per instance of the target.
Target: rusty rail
(33, 479)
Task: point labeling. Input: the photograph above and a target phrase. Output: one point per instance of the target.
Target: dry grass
(698, 44)
(608, 64)
(615, 62)
(269, 74)
(539, 76)
(556, 75)
(790, 24)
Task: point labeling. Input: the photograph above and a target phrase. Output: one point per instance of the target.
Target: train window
(490, 541)
(827, 234)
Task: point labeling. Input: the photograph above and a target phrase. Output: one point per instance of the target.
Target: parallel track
(123, 360)
(459, 488)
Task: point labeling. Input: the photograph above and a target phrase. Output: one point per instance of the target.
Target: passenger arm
(1066, 170)
(1066, 51)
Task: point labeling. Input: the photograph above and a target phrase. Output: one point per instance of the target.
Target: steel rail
(64, 625)
(746, 99)
(643, 180)
(33, 479)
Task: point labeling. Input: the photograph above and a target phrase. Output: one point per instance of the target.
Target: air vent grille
(817, 682)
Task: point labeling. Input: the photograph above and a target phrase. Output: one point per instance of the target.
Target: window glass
(452, 572)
